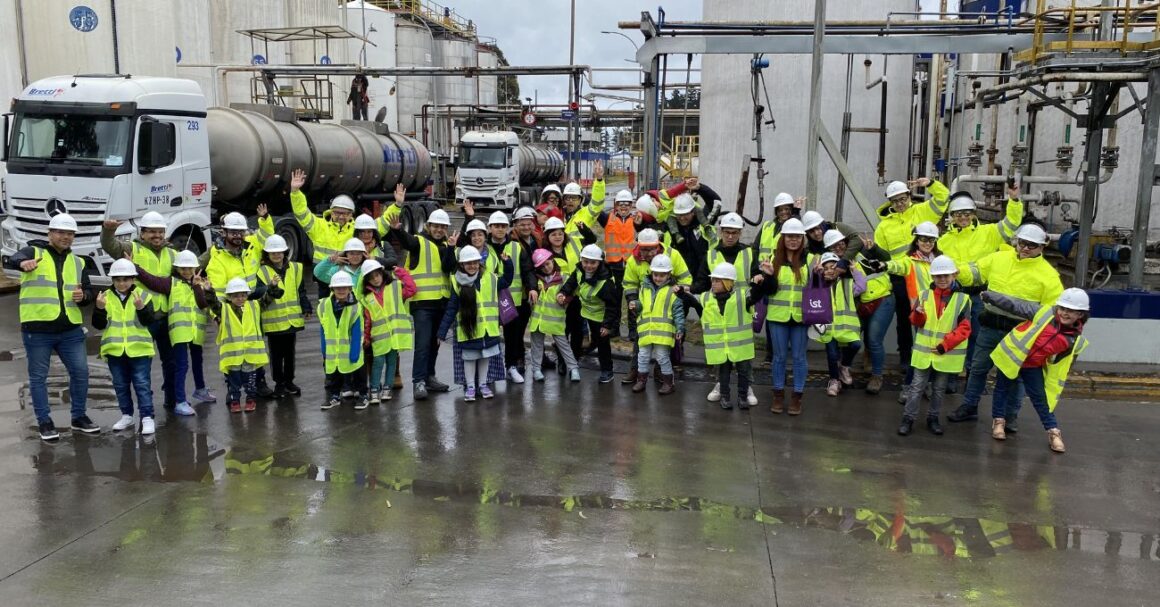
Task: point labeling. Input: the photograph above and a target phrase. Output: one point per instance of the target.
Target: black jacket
(701, 281)
(610, 294)
(61, 323)
(145, 315)
(525, 270)
(446, 256)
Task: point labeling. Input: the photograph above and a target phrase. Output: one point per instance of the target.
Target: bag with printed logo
(817, 307)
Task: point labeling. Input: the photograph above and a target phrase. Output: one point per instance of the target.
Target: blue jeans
(843, 354)
(981, 364)
(237, 381)
(180, 368)
(131, 374)
(976, 308)
(788, 339)
(70, 347)
(875, 328)
(426, 342)
(196, 365)
(1033, 382)
(386, 362)
(160, 332)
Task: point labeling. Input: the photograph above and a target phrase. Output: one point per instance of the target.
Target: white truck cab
(488, 169)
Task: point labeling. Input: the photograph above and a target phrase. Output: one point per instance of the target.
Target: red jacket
(960, 333)
(1054, 340)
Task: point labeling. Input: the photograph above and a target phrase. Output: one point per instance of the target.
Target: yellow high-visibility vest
(926, 340)
(284, 313)
(41, 294)
(125, 335)
(728, 336)
(240, 339)
(656, 325)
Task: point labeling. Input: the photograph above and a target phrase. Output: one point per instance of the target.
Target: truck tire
(188, 238)
(300, 247)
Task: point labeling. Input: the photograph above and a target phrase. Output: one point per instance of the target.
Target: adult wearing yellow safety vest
(329, 231)
(898, 217)
(1022, 275)
(54, 285)
(286, 316)
(690, 230)
(787, 274)
(785, 207)
(728, 248)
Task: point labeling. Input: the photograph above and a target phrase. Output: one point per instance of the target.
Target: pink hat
(539, 256)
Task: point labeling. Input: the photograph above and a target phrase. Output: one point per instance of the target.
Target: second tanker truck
(495, 170)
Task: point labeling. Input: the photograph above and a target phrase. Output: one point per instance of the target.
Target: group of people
(965, 296)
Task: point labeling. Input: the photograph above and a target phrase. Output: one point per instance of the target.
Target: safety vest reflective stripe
(728, 336)
(896, 251)
(124, 335)
(430, 281)
(240, 339)
(285, 312)
(514, 251)
(656, 324)
(846, 327)
(342, 350)
(786, 303)
(186, 320)
(487, 309)
(591, 306)
(976, 275)
(1017, 344)
(547, 315)
(157, 263)
(925, 354)
(40, 293)
(998, 536)
(741, 263)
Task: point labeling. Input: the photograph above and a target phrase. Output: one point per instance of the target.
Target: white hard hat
(1074, 299)
(827, 258)
(894, 188)
(237, 285)
(341, 278)
(525, 213)
(782, 199)
(122, 267)
(684, 204)
(832, 237)
(732, 220)
(342, 201)
(793, 226)
(365, 222)
(926, 228)
(592, 252)
(553, 223)
(962, 201)
(63, 221)
(648, 236)
(573, 189)
(661, 263)
(474, 225)
(152, 219)
(724, 271)
(498, 218)
(354, 245)
(234, 221)
(624, 196)
(645, 204)
(370, 265)
(1031, 233)
(469, 253)
(551, 187)
(439, 217)
(185, 259)
(943, 265)
(812, 219)
(275, 244)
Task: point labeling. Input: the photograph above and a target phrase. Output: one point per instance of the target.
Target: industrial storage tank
(486, 87)
(378, 27)
(456, 52)
(539, 164)
(11, 82)
(196, 19)
(414, 47)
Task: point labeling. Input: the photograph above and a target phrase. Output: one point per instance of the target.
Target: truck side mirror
(4, 152)
(156, 145)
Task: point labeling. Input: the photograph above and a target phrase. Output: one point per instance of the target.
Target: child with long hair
(548, 316)
(384, 295)
(473, 311)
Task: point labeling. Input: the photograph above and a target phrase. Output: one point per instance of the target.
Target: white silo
(414, 48)
(11, 70)
(194, 49)
(486, 87)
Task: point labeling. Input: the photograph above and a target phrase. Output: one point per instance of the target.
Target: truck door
(158, 179)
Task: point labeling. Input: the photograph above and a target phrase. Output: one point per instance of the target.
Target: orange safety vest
(619, 238)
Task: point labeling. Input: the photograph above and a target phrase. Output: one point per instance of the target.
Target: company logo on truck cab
(160, 189)
(45, 92)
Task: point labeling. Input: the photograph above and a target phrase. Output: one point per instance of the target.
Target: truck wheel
(287, 228)
(188, 238)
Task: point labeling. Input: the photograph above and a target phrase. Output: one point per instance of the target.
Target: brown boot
(398, 380)
(630, 378)
(778, 402)
(667, 385)
(998, 431)
(641, 382)
(1055, 440)
(874, 386)
(795, 404)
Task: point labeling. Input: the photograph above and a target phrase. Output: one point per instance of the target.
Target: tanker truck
(114, 147)
(495, 170)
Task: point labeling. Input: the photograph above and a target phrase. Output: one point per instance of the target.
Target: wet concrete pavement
(574, 494)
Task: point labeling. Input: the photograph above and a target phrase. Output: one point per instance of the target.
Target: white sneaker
(126, 421)
(715, 393)
(751, 398)
(148, 426)
(574, 374)
(374, 400)
(514, 374)
(348, 393)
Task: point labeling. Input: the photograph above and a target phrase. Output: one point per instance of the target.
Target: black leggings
(902, 319)
(513, 337)
(574, 327)
(603, 345)
(282, 356)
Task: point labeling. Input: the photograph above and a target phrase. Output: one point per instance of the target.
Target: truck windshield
(482, 158)
(72, 139)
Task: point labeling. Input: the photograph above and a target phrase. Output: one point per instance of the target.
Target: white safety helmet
(152, 219)
(661, 263)
(782, 199)
(812, 219)
(684, 204)
(943, 265)
(1074, 299)
(275, 244)
(525, 213)
(793, 226)
(894, 188)
(827, 258)
(498, 218)
(365, 222)
(645, 204)
(732, 220)
(341, 278)
(186, 259)
(342, 201)
(474, 225)
(592, 252)
(237, 285)
(1032, 233)
(553, 223)
(648, 237)
(63, 222)
(235, 221)
(469, 253)
(926, 228)
(122, 267)
(573, 189)
(439, 217)
(551, 187)
(370, 265)
(354, 245)
(962, 201)
(832, 237)
(623, 196)
(724, 271)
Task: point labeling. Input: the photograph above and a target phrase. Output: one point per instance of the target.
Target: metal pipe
(1062, 77)
(1097, 109)
(116, 47)
(932, 86)
(1146, 181)
(1043, 179)
(840, 195)
(815, 104)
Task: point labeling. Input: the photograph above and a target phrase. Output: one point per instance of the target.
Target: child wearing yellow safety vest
(593, 285)
(1039, 351)
(786, 275)
(843, 336)
(473, 313)
(124, 314)
(727, 322)
(660, 323)
(942, 316)
(187, 302)
(241, 350)
(344, 332)
(384, 296)
(549, 315)
(286, 316)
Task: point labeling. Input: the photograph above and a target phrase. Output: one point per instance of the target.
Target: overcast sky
(536, 33)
